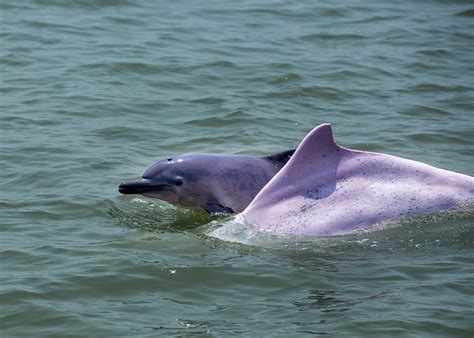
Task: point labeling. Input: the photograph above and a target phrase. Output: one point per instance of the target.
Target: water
(94, 91)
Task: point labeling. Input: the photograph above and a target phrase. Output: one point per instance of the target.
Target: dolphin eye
(170, 159)
(178, 181)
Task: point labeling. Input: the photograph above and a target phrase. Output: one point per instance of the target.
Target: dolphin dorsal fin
(317, 144)
(316, 157)
(317, 151)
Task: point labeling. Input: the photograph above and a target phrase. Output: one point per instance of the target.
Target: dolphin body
(327, 190)
(216, 183)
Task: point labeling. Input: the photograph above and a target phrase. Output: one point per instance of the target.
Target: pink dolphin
(326, 190)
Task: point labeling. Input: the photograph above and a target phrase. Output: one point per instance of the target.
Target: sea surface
(92, 92)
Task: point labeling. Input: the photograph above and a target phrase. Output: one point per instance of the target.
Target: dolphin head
(174, 180)
(216, 183)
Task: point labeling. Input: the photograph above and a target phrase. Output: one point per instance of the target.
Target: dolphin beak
(139, 187)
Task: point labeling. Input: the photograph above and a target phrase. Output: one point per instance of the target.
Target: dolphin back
(327, 190)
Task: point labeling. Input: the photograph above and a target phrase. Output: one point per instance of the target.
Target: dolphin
(216, 183)
(327, 190)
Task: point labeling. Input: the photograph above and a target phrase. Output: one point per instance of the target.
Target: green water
(94, 91)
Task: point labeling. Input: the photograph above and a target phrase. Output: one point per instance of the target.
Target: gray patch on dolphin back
(313, 193)
(281, 158)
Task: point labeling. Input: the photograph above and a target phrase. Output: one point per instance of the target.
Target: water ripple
(466, 13)
(332, 37)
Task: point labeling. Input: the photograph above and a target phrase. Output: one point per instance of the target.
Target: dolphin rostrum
(217, 183)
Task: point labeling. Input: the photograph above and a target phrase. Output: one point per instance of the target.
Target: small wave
(467, 13)
(36, 39)
(434, 138)
(233, 118)
(332, 37)
(427, 111)
(209, 100)
(13, 60)
(83, 3)
(125, 21)
(334, 12)
(327, 93)
(434, 52)
(120, 133)
(136, 67)
(433, 87)
(156, 216)
(273, 11)
(236, 229)
(23, 121)
(288, 77)
(220, 63)
(377, 18)
(56, 27)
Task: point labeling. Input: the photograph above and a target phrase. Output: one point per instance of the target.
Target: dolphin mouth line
(139, 187)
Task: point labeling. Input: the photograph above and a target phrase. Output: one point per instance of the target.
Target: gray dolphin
(216, 183)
